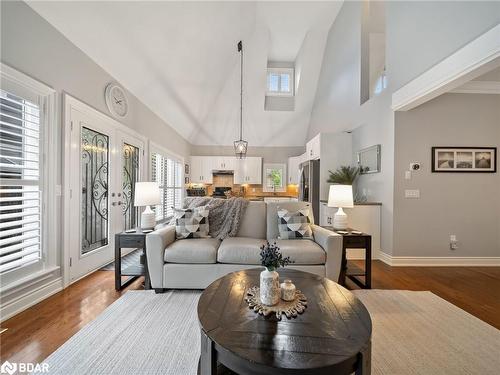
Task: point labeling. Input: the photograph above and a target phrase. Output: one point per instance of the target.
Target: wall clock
(116, 100)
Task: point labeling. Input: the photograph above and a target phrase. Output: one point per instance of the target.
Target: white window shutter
(20, 193)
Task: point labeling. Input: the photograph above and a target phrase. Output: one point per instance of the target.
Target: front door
(105, 162)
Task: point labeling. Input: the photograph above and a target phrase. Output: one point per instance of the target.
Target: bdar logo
(8, 368)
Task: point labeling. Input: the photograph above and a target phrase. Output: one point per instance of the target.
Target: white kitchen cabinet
(248, 171)
(201, 169)
(224, 163)
(293, 169)
(313, 148)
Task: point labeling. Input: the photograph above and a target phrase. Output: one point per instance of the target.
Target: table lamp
(340, 196)
(147, 194)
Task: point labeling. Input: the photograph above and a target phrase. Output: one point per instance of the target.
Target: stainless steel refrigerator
(309, 186)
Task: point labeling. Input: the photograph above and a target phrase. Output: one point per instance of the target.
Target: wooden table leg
(368, 263)
(365, 360)
(147, 280)
(208, 360)
(118, 264)
(343, 266)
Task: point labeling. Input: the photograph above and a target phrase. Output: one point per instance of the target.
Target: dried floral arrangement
(271, 257)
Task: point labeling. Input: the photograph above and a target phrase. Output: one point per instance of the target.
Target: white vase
(269, 287)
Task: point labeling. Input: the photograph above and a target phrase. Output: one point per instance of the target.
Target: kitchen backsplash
(250, 190)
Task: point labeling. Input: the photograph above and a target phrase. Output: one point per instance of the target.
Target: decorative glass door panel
(95, 186)
(103, 165)
(130, 161)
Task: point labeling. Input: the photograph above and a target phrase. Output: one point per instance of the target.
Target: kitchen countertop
(359, 203)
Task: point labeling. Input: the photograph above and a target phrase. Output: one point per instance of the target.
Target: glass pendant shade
(240, 148)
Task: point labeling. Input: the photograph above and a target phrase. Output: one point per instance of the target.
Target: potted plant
(271, 258)
(345, 175)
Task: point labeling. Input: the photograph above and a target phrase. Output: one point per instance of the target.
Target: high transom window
(280, 82)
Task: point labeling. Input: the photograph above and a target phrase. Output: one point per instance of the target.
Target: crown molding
(474, 59)
(478, 87)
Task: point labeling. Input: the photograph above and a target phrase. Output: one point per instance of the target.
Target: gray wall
(269, 154)
(464, 204)
(418, 35)
(337, 108)
(33, 46)
(422, 33)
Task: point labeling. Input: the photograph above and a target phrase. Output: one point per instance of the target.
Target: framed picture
(186, 169)
(464, 159)
(186, 180)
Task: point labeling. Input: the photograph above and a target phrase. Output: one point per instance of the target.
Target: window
(20, 173)
(168, 173)
(26, 109)
(280, 81)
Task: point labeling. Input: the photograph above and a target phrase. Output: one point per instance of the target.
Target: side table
(356, 240)
(135, 239)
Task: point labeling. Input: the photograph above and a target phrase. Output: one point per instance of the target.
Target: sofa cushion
(253, 222)
(191, 222)
(294, 225)
(193, 250)
(272, 214)
(240, 250)
(302, 251)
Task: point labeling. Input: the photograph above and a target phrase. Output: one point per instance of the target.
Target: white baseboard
(439, 261)
(30, 298)
(359, 254)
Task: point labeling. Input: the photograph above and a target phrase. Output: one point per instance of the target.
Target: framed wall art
(464, 159)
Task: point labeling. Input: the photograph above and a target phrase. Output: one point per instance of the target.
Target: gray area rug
(147, 333)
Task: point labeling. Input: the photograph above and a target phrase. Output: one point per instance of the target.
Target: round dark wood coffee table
(332, 336)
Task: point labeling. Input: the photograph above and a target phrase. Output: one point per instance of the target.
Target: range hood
(225, 172)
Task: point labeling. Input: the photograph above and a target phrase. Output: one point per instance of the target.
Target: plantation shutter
(20, 193)
(167, 172)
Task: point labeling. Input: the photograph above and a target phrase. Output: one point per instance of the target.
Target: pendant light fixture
(241, 146)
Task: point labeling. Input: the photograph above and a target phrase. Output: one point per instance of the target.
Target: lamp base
(148, 218)
(340, 220)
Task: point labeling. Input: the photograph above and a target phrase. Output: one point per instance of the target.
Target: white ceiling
(180, 59)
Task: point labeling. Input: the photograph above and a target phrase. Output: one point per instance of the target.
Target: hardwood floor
(35, 333)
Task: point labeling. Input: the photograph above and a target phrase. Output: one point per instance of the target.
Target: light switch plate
(407, 175)
(412, 193)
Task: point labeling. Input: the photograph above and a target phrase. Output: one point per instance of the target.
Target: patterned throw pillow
(191, 222)
(294, 225)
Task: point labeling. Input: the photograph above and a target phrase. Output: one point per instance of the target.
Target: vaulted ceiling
(180, 59)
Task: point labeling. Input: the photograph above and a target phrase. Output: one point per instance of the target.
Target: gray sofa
(195, 263)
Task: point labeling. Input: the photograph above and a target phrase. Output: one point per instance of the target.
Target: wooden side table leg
(343, 266)
(147, 280)
(368, 263)
(118, 264)
(208, 360)
(365, 360)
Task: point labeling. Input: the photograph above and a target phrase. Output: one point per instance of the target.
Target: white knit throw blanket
(224, 214)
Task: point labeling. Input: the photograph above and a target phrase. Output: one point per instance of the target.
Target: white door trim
(70, 102)
(477, 57)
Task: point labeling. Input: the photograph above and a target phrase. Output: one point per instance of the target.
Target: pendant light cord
(240, 49)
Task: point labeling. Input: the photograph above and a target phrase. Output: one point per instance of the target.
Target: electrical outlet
(412, 193)
(453, 242)
(407, 175)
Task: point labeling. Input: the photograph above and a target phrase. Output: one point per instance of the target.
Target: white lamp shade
(340, 196)
(146, 194)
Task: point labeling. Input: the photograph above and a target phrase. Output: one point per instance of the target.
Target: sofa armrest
(331, 242)
(156, 242)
